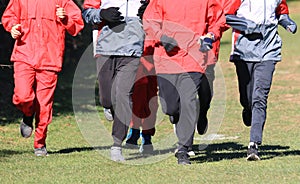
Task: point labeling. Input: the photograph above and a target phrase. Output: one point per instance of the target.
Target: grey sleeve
(91, 16)
(242, 24)
(287, 23)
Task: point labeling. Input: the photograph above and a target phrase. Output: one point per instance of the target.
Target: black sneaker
(182, 158)
(26, 126)
(202, 125)
(247, 117)
(252, 152)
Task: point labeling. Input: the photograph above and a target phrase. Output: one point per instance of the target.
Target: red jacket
(41, 44)
(228, 7)
(185, 22)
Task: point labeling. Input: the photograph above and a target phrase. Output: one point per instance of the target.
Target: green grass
(73, 159)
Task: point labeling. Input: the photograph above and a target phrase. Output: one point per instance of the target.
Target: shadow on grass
(156, 152)
(213, 153)
(71, 150)
(233, 150)
(7, 153)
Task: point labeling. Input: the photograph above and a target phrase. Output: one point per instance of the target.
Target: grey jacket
(255, 37)
(124, 39)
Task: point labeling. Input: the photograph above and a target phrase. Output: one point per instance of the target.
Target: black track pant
(116, 78)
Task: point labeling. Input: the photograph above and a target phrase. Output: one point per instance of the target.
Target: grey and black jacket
(124, 39)
(255, 37)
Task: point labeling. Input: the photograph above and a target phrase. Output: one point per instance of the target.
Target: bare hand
(16, 31)
(60, 12)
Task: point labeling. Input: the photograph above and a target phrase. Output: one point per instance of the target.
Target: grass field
(71, 139)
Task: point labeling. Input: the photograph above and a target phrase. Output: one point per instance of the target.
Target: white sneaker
(108, 114)
(116, 154)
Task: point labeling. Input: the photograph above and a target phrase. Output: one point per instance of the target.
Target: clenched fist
(16, 31)
(60, 12)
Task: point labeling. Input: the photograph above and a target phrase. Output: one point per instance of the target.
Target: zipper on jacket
(249, 5)
(263, 28)
(126, 16)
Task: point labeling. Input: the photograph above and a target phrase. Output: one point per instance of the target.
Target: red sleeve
(73, 22)
(11, 15)
(152, 20)
(231, 6)
(92, 4)
(282, 8)
(216, 19)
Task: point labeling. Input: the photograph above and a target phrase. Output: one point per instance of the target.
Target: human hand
(111, 14)
(292, 28)
(168, 43)
(60, 12)
(16, 31)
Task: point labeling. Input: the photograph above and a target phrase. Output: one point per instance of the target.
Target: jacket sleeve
(73, 22)
(215, 19)
(287, 23)
(11, 15)
(231, 6)
(152, 20)
(242, 24)
(91, 11)
(284, 20)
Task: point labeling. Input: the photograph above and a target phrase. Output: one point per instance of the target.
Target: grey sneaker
(108, 114)
(116, 154)
(252, 152)
(182, 158)
(39, 152)
(26, 126)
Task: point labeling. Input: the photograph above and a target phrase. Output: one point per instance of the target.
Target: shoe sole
(118, 160)
(25, 130)
(41, 155)
(252, 157)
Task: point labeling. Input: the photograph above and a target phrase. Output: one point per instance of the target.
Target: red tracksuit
(38, 55)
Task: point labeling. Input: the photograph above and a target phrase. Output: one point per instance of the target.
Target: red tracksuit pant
(33, 93)
(144, 105)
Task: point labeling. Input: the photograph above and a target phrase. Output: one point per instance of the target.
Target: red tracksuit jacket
(41, 44)
(185, 22)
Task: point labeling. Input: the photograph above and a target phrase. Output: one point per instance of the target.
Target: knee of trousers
(22, 97)
(261, 104)
(259, 101)
(170, 110)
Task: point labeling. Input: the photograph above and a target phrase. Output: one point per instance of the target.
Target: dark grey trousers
(178, 96)
(255, 79)
(116, 79)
